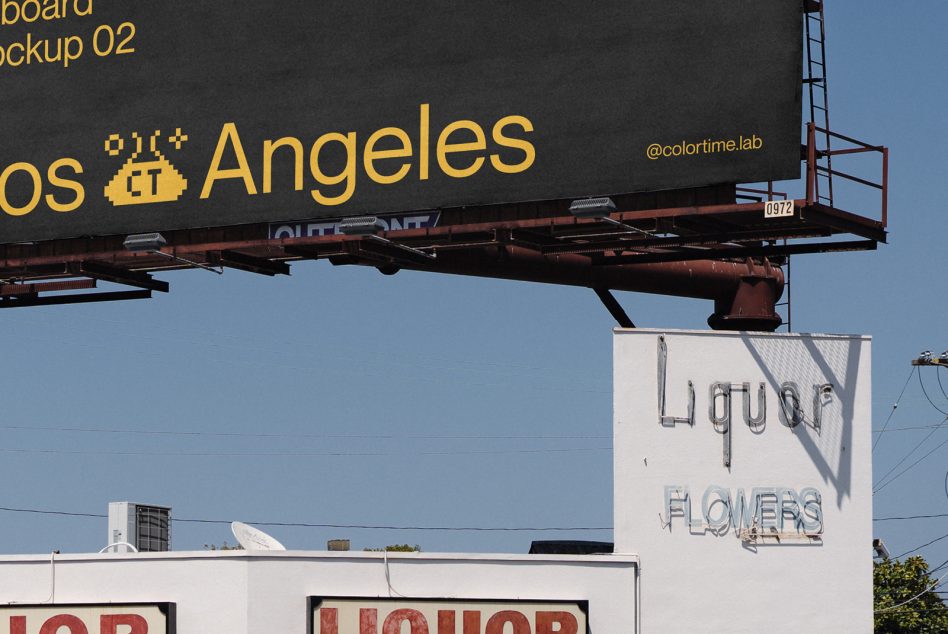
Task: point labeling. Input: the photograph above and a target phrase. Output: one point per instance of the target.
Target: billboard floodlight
(153, 242)
(361, 226)
(592, 207)
(599, 209)
(145, 242)
(369, 227)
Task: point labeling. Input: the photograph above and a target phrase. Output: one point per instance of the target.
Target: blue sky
(340, 396)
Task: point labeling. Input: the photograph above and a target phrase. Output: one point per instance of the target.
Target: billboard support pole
(614, 307)
(811, 186)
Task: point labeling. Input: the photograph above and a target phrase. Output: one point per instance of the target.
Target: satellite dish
(253, 538)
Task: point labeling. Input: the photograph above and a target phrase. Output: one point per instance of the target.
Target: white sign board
(87, 619)
(454, 616)
(743, 479)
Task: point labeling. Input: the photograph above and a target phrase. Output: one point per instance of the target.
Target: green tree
(397, 548)
(906, 601)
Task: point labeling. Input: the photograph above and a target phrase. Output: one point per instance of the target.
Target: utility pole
(926, 358)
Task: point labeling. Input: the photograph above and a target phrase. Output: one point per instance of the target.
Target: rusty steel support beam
(85, 298)
(844, 222)
(614, 307)
(250, 264)
(106, 273)
(762, 251)
(36, 288)
(745, 293)
(632, 243)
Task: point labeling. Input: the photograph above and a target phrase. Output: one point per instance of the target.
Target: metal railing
(815, 169)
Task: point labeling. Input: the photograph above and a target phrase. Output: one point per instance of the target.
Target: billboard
(448, 616)
(126, 117)
(743, 468)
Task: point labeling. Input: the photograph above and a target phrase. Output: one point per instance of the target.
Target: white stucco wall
(702, 576)
(237, 593)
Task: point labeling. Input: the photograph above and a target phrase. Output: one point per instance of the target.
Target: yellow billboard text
(388, 156)
(59, 175)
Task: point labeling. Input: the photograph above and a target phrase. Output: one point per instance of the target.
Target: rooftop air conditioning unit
(143, 528)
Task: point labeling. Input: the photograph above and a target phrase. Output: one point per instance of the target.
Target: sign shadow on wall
(827, 444)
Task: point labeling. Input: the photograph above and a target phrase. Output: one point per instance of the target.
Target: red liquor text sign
(448, 616)
(154, 618)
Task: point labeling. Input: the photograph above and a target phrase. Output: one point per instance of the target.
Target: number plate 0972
(778, 209)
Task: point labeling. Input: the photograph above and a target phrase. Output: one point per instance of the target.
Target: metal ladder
(815, 80)
(815, 34)
(788, 304)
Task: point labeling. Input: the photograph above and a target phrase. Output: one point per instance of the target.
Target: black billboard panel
(123, 117)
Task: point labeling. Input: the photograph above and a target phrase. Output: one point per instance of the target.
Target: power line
(894, 407)
(40, 512)
(908, 517)
(362, 373)
(911, 466)
(937, 539)
(907, 601)
(551, 373)
(299, 454)
(411, 528)
(880, 485)
(422, 360)
(372, 527)
(911, 428)
(348, 526)
(925, 392)
(161, 432)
